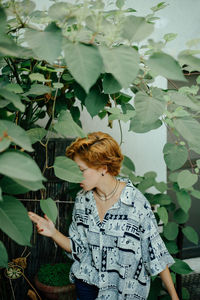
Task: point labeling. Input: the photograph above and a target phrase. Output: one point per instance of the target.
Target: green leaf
(180, 267)
(162, 199)
(58, 85)
(170, 36)
(13, 98)
(148, 109)
(67, 127)
(1, 198)
(3, 18)
(67, 169)
(196, 194)
(14, 220)
(30, 185)
(95, 101)
(165, 65)
(120, 3)
(173, 177)
(170, 231)
(163, 215)
(183, 100)
(186, 179)
(161, 186)
(189, 128)
(38, 89)
(19, 166)
(48, 206)
(110, 84)
(122, 62)
(3, 256)
(175, 156)
(189, 60)
(59, 11)
(9, 186)
(180, 216)
(45, 44)
(191, 234)
(184, 200)
(36, 134)
(137, 125)
(38, 77)
(198, 163)
(145, 184)
(128, 163)
(16, 134)
(172, 247)
(84, 62)
(14, 87)
(136, 29)
(185, 293)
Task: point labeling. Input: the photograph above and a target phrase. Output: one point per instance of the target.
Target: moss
(54, 275)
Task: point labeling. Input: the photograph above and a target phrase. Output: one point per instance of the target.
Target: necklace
(110, 195)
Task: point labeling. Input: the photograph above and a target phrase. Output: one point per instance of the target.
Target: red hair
(96, 150)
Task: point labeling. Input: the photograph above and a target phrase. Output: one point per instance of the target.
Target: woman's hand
(44, 225)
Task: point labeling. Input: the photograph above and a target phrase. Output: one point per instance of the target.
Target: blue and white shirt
(119, 254)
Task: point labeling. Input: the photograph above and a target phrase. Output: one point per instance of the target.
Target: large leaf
(191, 234)
(175, 155)
(165, 65)
(95, 101)
(137, 125)
(45, 44)
(84, 62)
(59, 11)
(189, 128)
(181, 267)
(128, 163)
(2, 20)
(14, 220)
(3, 256)
(38, 89)
(36, 134)
(30, 185)
(183, 100)
(186, 179)
(9, 186)
(170, 231)
(180, 216)
(19, 166)
(67, 127)
(48, 206)
(189, 60)
(148, 109)
(172, 247)
(110, 84)
(184, 200)
(67, 169)
(13, 98)
(122, 62)
(16, 134)
(136, 29)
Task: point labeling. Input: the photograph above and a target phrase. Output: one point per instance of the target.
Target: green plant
(86, 54)
(54, 275)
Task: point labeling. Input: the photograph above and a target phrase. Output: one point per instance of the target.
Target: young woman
(113, 238)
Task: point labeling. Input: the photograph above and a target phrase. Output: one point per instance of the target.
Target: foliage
(54, 275)
(53, 64)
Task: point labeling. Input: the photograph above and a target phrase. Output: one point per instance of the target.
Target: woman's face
(91, 176)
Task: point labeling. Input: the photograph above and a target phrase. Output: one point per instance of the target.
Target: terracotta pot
(67, 292)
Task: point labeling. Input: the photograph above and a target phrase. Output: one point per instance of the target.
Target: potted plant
(52, 280)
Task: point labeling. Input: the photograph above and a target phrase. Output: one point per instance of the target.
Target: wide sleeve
(77, 234)
(154, 252)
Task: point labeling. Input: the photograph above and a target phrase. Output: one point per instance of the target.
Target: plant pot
(67, 292)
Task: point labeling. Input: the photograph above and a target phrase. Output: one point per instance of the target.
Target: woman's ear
(103, 170)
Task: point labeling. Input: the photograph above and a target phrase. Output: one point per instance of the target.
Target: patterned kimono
(119, 254)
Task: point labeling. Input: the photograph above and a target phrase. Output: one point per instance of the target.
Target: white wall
(181, 17)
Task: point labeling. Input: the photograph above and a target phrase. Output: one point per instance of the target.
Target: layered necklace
(105, 197)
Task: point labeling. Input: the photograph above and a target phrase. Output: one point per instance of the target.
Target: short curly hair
(96, 150)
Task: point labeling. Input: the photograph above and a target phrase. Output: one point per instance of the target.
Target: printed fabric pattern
(119, 254)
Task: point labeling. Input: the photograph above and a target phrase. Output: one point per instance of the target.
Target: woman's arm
(46, 227)
(167, 280)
